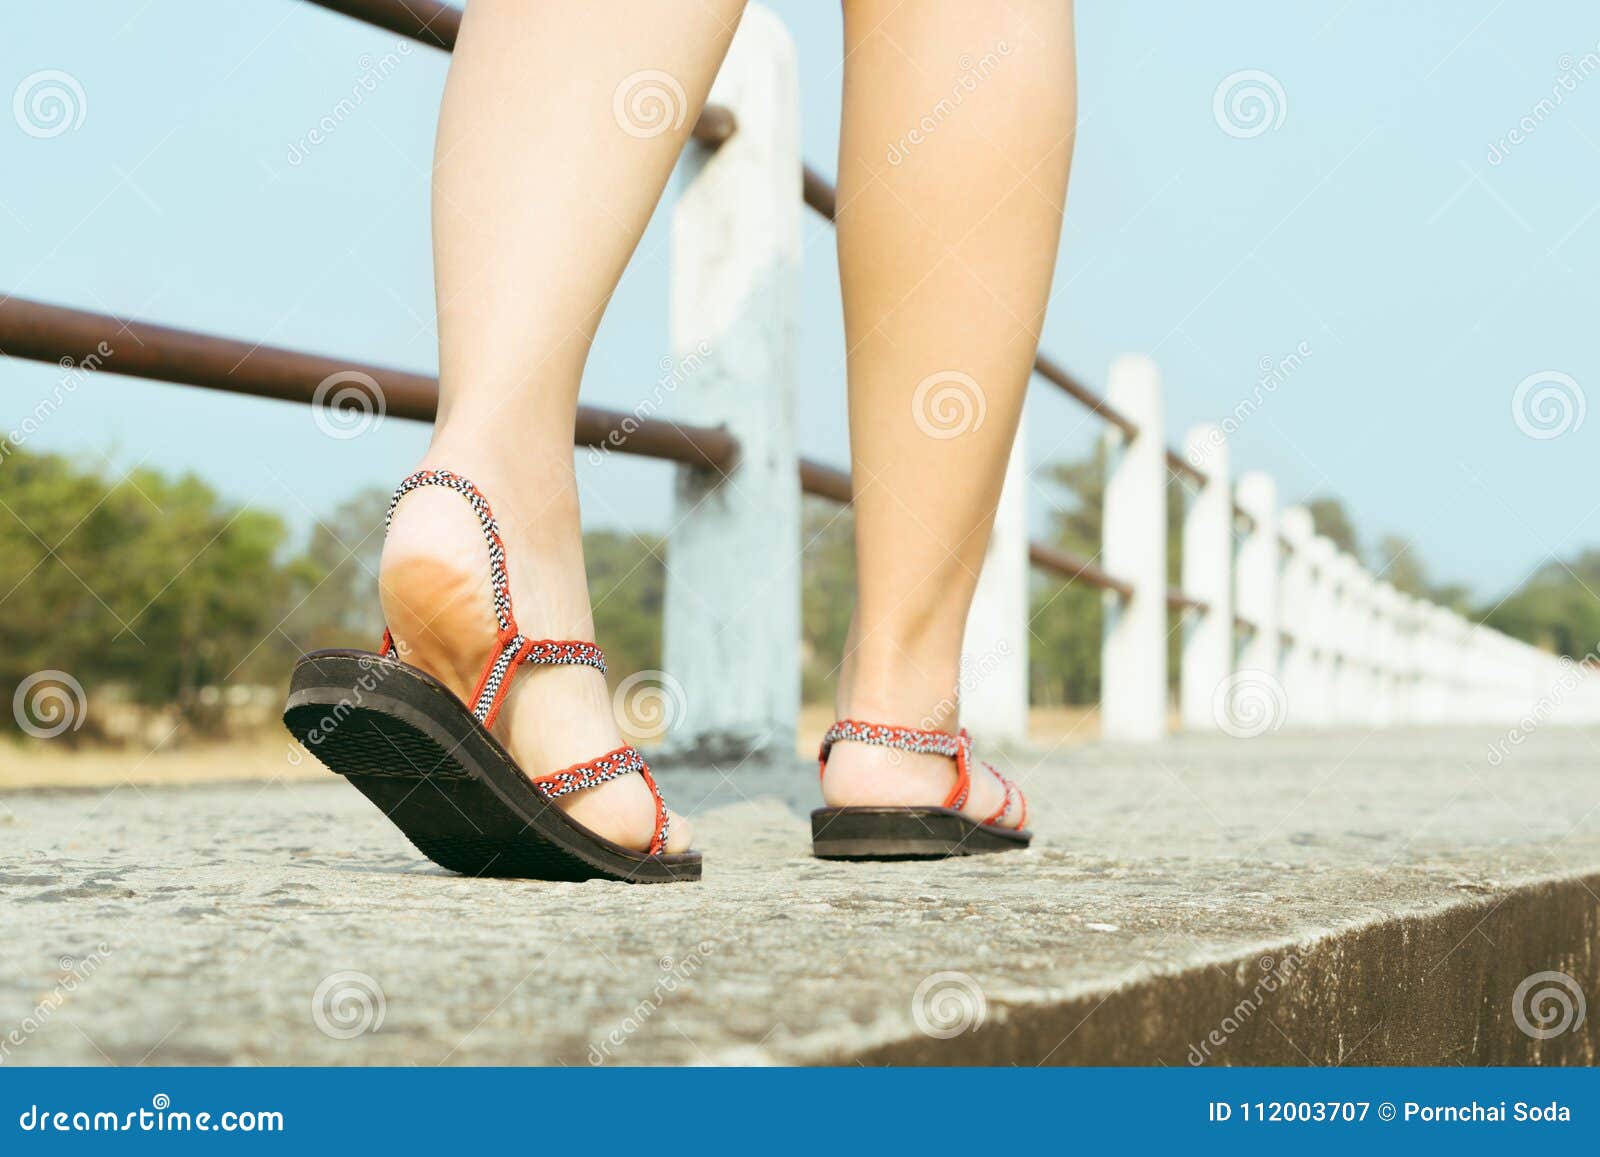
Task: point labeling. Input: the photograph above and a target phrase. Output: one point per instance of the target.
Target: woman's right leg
(947, 246)
(560, 126)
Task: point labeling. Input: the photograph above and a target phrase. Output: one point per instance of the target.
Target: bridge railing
(1278, 627)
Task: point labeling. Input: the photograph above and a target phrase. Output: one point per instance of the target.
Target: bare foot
(437, 602)
(862, 775)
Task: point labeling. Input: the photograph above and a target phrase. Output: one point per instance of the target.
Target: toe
(680, 833)
(1017, 814)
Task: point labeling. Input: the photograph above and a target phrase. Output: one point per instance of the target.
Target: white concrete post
(1385, 655)
(1437, 664)
(1404, 660)
(1420, 619)
(732, 608)
(1133, 648)
(1354, 694)
(1258, 581)
(1207, 575)
(1299, 674)
(1337, 636)
(1448, 682)
(1489, 696)
(994, 652)
(1469, 664)
(1420, 659)
(1322, 633)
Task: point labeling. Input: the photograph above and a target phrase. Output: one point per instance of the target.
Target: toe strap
(623, 761)
(1012, 792)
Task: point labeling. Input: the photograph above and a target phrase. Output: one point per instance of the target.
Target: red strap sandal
(915, 833)
(405, 740)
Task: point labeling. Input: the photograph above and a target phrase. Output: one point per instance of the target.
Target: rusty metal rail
(430, 22)
(436, 23)
(1068, 565)
(1052, 372)
(50, 333)
(825, 481)
(833, 484)
(53, 333)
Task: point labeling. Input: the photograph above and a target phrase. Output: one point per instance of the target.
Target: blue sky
(1372, 226)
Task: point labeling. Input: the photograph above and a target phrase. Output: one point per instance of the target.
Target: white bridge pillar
(1321, 632)
(1133, 649)
(1207, 575)
(994, 652)
(1299, 676)
(1260, 582)
(732, 614)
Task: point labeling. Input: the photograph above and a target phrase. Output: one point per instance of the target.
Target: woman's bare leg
(560, 126)
(957, 137)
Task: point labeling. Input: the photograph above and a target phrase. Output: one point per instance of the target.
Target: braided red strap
(622, 761)
(1012, 792)
(922, 741)
(490, 693)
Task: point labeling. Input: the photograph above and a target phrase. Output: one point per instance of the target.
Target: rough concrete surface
(1357, 898)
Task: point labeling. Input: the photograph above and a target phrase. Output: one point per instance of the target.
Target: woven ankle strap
(923, 741)
(513, 648)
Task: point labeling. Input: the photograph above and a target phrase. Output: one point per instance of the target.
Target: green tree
(151, 584)
(1556, 609)
(1329, 518)
(627, 587)
(334, 580)
(828, 595)
(1067, 615)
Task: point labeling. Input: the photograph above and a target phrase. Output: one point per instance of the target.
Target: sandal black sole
(412, 748)
(906, 833)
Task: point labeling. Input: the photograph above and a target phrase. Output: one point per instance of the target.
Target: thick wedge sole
(906, 833)
(411, 747)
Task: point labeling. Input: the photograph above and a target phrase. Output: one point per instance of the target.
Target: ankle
(903, 696)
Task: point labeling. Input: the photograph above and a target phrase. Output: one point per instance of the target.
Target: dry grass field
(270, 755)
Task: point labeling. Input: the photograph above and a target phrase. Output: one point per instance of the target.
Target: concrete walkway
(1365, 898)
